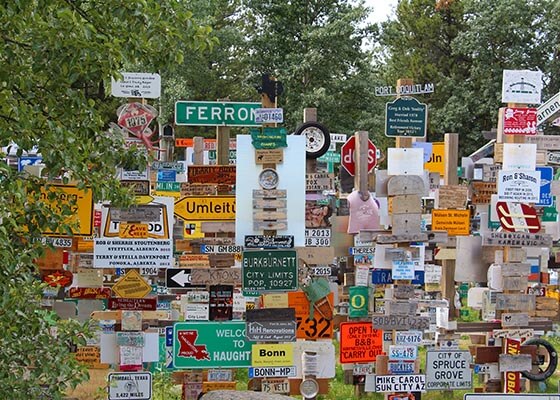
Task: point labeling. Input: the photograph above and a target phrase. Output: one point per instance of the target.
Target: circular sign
(309, 388)
(317, 137)
(268, 178)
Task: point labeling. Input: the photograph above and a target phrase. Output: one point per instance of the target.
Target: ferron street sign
(406, 116)
(215, 113)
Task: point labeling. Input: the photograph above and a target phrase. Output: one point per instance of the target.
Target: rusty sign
(224, 174)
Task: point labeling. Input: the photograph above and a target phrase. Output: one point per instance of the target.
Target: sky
(381, 9)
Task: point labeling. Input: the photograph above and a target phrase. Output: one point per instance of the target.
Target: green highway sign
(270, 270)
(215, 113)
(406, 116)
(269, 138)
(212, 154)
(210, 345)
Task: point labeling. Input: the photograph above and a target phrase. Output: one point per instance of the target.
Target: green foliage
(57, 58)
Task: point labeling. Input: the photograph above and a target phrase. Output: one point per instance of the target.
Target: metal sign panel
(395, 383)
(519, 186)
(271, 270)
(549, 110)
(271, 325)
(130, 385)
(359, 342)
(210, 345)
(519, 239)
(213, 113)
(406, 116)
(206, 208)
(265, 372)
(269, 242)
(448, 370)
(179, 278)
(143, 213)
(390, 322)
(132, 285)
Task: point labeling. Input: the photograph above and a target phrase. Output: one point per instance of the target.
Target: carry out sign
(359, 342)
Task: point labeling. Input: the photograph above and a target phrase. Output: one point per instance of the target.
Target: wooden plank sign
(510, 320)
(214, 276)
(318, 181)
(401, 184)
(405, 204)
(453, 196)
(401, 323)
(520, 239)
(515, 362)
(224, 174)
(197, 189)
(515, 302)
(515, 269)
(482, 192)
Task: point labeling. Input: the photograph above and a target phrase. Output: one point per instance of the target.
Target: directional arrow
(181, 278)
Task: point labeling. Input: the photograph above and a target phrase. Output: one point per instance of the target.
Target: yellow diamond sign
(132, 286)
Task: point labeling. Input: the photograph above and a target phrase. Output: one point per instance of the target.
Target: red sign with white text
(520, 121)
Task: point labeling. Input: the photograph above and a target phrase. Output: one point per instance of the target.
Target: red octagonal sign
(348, 155)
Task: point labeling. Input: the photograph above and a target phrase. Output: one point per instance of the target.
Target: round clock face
(317, 138)
(309, 388)
(268, 178)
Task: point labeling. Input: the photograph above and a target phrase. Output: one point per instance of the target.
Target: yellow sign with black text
(436, 163)
(272, 355)
(455, 222)
(206, 208)
(132, 286)
(78, 202)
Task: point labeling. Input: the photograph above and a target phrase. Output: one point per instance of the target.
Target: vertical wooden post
(310, 115)
(361, 164)
(198, 150)
(403, 142)
(222, 143)
(451, 151)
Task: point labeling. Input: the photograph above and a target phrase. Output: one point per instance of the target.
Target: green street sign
(406, 116)
(269, 138)
(270, 270)
(210, 345)
(549, 213)
(215, 113)
(168, 186)
(330, 157)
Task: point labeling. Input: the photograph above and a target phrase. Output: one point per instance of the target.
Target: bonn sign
(215, 113)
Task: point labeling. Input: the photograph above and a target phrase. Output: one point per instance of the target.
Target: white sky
(381, 9)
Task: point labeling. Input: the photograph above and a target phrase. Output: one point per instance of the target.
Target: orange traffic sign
(359, 342)
(132, 285)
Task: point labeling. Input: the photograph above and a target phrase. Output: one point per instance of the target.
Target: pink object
(363, 214)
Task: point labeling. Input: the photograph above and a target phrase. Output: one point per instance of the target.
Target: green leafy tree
(57, 57)
(316, 49)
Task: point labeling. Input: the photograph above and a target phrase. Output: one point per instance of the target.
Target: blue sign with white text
(384, 277)
(546, 179)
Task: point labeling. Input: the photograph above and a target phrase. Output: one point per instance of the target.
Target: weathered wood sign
(143, 213)
(224, 174)
(453, 196)
(401, 184)
(520, 239)
(269, 156)
(400, 323)
(515, 362)
(515, 302)
(214, 276)
(510, 320)
(318, 181)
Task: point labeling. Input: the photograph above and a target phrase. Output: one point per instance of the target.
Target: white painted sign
(137, 84)
(522, 186)
(521, 156)
(339, 137)
(196, 312)
(448, 370)
(395, 383)
(111, 251)
(521, 86)
(130, 386)
(290, 179)
(403, 270)
(403, 352)
(432, 273)
(405, 161)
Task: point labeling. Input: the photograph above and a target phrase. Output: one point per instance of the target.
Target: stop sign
(348, 155)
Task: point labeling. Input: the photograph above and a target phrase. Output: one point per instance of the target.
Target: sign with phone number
(309, 328)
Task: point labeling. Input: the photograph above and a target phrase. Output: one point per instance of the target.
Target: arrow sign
(179, 278)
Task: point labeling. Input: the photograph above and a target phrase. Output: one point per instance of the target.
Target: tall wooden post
(310, 115)
(403, 142)
(451, 151)
(361, 164)
(222, 143)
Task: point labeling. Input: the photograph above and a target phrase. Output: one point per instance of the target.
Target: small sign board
(318, 237)
(270, 270)
(271, 325)
(215, 113)
(318, 181)
(359, 342)
(269, 137)
(144, 213)
(394, 322)
(130, 385)
(137, 84)
(179, 278)
(518, 239)
(269, 115)
(217, 174)
(413, 338)
(269, 242)
(519, 186)
(274, 372)
(455, 222)
(132, 285)
(206, 208)
(520, 121)
(395, 383)
(403, 352)
(272, 355)
(448, 370)
(121, 303)
(269, 156)
(399, 367)
(406, 116)
(214, 276)
(521, 86)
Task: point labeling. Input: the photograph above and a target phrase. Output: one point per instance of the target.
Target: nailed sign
(406, 116)
(224, 174)
(271, 270)
(271, 325)
(448, 370)
(520, 239)
(206, 208)
(269, 242)
(396, 383)
(130, 385)
(519, 186)
(401, 323)
(132, 285)
(210, 345)
(359, 342)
